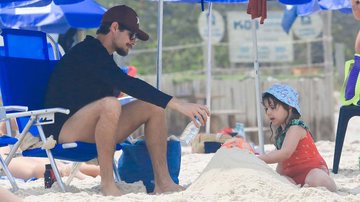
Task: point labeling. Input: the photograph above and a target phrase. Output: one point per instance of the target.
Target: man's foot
(171, 187)
(110, 190)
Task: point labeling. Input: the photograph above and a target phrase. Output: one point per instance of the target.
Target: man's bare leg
(156, 140)
(100, 118)
(97, 123)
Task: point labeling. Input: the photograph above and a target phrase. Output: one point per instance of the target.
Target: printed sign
(274, 45)
(217, 26)
(308, 27)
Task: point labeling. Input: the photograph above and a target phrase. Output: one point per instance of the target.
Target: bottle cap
(48, 166)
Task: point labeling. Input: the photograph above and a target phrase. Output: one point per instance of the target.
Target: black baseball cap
(127, 17)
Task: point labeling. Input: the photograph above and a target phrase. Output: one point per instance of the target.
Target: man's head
(126, 18)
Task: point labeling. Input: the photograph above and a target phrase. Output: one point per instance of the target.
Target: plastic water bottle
(190, 132)
(240, 129)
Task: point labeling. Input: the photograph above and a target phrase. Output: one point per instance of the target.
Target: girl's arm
(292, 138)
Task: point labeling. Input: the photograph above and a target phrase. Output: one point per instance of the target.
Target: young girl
(296, 154)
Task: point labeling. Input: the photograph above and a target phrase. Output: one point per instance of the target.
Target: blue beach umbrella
(291, 12)
(33, 3)
(21, 3)
(53, 18)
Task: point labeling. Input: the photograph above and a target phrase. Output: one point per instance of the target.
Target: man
(356, 13)
(85, 80)
(355, 4)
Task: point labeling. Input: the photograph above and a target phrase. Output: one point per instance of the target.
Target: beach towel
(240, 143)
(257, 9)
(32, 142)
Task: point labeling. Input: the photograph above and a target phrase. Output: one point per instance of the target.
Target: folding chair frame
(8, 174)
(38, 118)
(4, 165)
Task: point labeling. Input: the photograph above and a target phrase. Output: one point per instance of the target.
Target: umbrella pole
(208, 72)
(257, 87)
(159, 51)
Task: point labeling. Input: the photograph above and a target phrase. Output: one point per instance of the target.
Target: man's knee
(153, 109)
(110, 106)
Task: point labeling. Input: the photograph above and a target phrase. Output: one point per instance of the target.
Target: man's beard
(121, 52)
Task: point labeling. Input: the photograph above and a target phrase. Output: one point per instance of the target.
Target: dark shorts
(55, 128)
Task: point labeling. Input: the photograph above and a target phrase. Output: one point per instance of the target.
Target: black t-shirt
(88, 73)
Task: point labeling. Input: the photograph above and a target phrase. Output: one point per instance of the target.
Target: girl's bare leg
(319, 178)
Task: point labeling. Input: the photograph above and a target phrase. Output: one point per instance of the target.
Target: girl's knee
(319, 178)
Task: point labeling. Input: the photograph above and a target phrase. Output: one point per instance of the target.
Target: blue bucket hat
(285, 94)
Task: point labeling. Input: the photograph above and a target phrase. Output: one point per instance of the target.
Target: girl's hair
(105, 28)
(291, 116)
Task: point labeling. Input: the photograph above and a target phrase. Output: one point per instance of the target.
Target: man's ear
(114, 26)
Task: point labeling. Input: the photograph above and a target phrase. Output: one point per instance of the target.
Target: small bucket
(211, 147)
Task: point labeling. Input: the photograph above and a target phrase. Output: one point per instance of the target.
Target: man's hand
(191, 110)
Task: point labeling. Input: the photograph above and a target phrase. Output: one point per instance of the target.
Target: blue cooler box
(135, 163)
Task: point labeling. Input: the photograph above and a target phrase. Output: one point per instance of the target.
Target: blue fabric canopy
(206, 1)
(33, 3)
(53, 18)
(319, 5)
(21, 3)
(291, 12)
(294, 2)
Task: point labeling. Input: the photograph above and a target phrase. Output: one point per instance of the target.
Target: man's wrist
(173, 103)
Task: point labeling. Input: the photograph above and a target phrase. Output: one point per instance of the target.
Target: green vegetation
(180, 28)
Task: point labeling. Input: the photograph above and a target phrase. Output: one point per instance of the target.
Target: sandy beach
(228, 175)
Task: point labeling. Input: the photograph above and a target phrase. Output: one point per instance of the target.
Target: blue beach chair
(23, 81)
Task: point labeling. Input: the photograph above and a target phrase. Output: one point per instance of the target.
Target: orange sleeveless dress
(305, 158)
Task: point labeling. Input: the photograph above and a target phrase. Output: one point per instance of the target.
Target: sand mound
(234, 170)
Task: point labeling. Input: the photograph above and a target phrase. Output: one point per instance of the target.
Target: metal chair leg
(74, 170)
(8, 174)
(116, 171)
